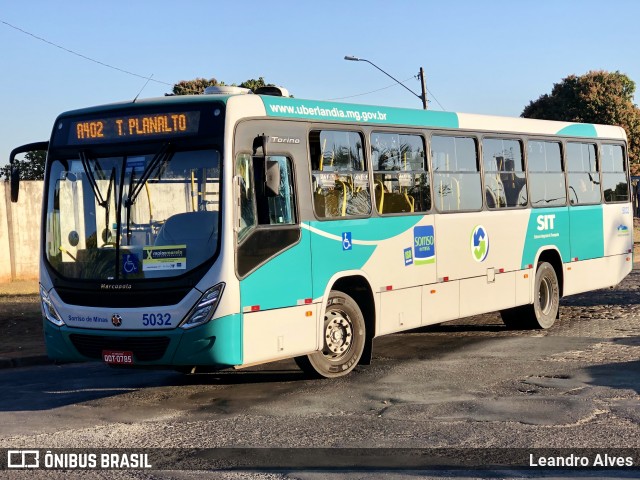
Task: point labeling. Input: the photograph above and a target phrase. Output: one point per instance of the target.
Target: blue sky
(486, 56)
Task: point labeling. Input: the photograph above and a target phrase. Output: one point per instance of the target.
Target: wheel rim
(338, 334)
(544, 296)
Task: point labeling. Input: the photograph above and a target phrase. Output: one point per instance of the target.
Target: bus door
(273, 261)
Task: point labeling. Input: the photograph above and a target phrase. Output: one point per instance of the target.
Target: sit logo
(546, 222)
(479, 243)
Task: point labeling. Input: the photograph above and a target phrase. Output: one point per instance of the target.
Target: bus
(230, 229)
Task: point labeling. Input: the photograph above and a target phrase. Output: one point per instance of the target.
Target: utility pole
(424, 85)
(423, 82)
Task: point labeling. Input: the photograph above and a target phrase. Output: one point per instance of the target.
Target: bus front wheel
(344, 339)
(543, 312)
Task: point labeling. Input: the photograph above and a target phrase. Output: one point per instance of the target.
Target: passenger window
(401, 181)
(339, 173)
(504, 176)
(582, 173)
(614, 176)
(546, 178)
(456, 177)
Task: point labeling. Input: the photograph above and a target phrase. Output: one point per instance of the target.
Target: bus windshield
(145, 216)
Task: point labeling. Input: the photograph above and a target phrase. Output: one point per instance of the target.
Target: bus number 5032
(160, 319)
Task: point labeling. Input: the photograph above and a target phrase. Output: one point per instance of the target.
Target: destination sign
(134, 127)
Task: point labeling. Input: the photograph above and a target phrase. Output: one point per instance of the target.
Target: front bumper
(216, 343)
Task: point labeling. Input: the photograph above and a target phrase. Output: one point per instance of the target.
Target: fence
(20, 232)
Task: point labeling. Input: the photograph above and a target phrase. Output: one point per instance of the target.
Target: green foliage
(31, 167)
(595, 97)
(253, 84)
(194, 87)
(197, 85)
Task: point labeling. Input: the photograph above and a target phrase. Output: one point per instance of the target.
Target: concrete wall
(20, 231)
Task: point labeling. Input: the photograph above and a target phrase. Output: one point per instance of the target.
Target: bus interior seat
(491, 198)
(379, 193)
(330, 202)
(397, 203)
(392, 202)
(196, 230)
(499, 192)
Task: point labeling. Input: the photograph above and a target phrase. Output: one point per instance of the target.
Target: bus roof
(315, 110)
(378, 115)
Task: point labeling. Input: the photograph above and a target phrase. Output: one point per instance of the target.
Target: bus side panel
(271, 335)
(271, 297)
(405, 254)
(603, 235)
(524, 289)
(547, 227)
(377, 246)
(479, 295)
(499, 234)
(400, 310)
(618, 228)
(440, 302)
(482, 251)
(586, 232)
(597, 273)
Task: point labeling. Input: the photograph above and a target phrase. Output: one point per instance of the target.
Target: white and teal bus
(231, 229)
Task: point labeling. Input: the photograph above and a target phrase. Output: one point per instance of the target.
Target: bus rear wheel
(344, 339)
(543, 312)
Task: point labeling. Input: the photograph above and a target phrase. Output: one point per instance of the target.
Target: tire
(543, 312)
(344, 339)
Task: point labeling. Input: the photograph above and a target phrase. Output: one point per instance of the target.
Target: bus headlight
(48, 310)
(205, 308)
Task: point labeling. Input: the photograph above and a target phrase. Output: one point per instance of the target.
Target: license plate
(117, 358)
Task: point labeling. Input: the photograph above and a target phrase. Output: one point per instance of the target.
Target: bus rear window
(614, 177)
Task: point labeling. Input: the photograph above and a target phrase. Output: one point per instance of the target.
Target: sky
(480, 56)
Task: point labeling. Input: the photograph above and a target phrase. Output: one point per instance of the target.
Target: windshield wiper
(104, 203)
(91, 178)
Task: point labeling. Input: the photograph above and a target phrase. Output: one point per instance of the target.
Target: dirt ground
(21, 321)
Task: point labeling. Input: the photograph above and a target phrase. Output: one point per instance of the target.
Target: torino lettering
(274, 139)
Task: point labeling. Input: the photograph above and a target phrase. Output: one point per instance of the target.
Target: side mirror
(272, 178)
(15, 170)
(15, 183)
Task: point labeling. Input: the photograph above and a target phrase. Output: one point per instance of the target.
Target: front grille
(122, 299)
(145, 349)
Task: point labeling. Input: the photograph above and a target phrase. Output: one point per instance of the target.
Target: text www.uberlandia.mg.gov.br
(334, 112)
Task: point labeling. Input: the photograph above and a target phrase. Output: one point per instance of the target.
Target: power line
(150, 79)
(429, 91)
(384, 88)
(434, 97)
(84, 56)
(367, 93)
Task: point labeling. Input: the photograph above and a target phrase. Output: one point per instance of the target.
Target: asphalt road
(469, 384)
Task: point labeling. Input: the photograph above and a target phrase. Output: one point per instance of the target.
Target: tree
(253, 84)
(197, 85)
(194, 87)
(595, 97)
(31, 168)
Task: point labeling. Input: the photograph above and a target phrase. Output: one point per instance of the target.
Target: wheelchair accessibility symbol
(130, 263)
(346, 241)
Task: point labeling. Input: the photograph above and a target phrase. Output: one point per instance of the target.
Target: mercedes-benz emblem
(116, 320)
